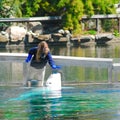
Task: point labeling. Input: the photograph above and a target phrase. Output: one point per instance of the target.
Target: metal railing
(63, 61)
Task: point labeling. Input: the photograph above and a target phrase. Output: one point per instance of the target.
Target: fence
(12, 66)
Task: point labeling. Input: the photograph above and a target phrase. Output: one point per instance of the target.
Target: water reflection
(45, 106)
(80, 103)
(41, 103)
(106, 51)
(103, 51)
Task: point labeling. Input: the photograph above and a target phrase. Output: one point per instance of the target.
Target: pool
(86, 94)
(83, 102)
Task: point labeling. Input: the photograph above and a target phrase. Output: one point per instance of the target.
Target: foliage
(109, 24)
(116, 33)
(92, 32)
(70, 10)
(5, 10)
(30, 7)
(88, 8)
(72, 14)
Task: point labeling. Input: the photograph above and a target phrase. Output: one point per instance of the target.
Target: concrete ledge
(63, 60)
(83, 61)
(13, 57)
(116, 66)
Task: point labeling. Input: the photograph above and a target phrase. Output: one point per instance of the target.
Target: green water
(85, 102)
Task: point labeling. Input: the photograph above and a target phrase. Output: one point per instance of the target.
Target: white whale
(54, 81)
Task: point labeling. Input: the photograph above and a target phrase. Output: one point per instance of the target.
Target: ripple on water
(84, 103)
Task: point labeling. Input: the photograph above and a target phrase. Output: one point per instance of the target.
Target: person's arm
(28, 58)
(51, 61)
(30, 55)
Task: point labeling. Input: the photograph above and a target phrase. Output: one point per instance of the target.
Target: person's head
(42, 48)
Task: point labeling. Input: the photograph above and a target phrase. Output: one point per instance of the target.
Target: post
(97, 25)
(116, 69)
(110, 74)
(119, 25)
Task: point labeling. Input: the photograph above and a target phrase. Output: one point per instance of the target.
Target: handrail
(46, 18)
(66, 61)
(31, 19)
(71, 61)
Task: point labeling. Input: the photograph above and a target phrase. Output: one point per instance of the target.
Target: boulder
(89, 38)
(103, 38)
(16, 33)
(35, 27)
(4, 37)
(56, 36)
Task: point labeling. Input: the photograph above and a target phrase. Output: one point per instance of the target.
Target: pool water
(84, 102)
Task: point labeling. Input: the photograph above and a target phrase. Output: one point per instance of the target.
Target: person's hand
(56, 67)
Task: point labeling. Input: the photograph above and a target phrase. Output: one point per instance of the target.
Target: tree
(30, 7)
(92, 7)
(5, 10)
(73, 12)
(70, 10)
(88, 8)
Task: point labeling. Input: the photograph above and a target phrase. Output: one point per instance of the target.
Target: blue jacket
(43, 59)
